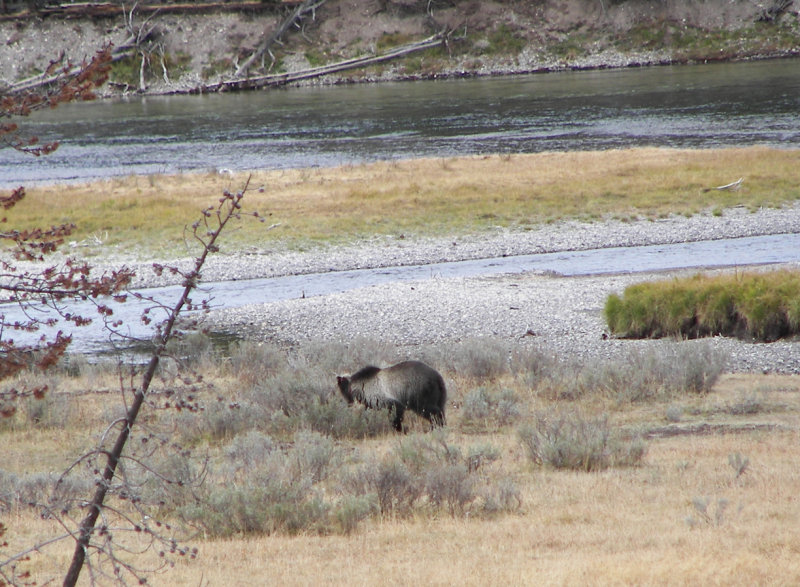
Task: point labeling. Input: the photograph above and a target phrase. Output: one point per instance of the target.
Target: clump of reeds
(753, 306)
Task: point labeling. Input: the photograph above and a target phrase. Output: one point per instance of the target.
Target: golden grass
(627, 526)
(616, 527)
(420, 197)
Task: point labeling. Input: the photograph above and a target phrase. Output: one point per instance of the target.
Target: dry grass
(636, 525)
(616, 527)
(421, 197)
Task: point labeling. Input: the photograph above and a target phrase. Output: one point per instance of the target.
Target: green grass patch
(690, 43)
(425, 197)
(392, 40)
(755, 306)
(505, 41)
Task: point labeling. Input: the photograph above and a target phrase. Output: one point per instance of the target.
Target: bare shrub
(216, 420)
(450, 487)
(224, 420)
(478, 456)
(738, 463)
(447, 479)
(290, 391)
(8, 490)
(313, 455)
(277, 493)
(567, 440)
(674, 413)
(501, 495)
(55, 410)
(44, 491)
(248, 451)
(261, 505)
(702, 366)
(351, 510)
(165, 477)
(335, 418)
(252, 362)
(45, 409)
(747, 404)
(422, 451)
(627, 451)
(639, 376)
(192, 349)
(480, 358)
(396, 487)
(335, 358)
(387, 482)
(532, 364)
(712, 516)
(475, 408)
(482, 407)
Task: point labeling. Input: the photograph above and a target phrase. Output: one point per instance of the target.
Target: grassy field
(654, 470)
(418, 197)
(710, 500)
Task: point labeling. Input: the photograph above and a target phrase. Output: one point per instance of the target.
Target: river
(744, 251)
(698, 106)
(716, 105)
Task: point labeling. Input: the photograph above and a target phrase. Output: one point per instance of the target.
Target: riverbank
(186, 52)
(560, 316)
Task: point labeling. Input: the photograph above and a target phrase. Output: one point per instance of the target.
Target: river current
(702, 106)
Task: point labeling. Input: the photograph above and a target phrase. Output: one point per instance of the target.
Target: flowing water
(232, 294)
(678, 106)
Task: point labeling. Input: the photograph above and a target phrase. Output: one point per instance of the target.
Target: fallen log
(111, 9)
(279, 79)
(733, 186)
(32, 83)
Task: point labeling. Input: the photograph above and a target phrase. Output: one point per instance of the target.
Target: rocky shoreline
(559, 315)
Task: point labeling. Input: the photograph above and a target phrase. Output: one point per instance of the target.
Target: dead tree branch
(228, 209)
(280, 79)
(298, 14)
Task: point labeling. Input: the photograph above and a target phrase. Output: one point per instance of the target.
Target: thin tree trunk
(88, 523)
(87, 526)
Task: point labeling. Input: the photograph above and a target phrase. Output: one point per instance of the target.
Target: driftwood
(308, 6)
(111, 9)
(733, 186)
(32, 83)
(279, 79)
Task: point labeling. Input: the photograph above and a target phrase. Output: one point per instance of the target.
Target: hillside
(186, 51)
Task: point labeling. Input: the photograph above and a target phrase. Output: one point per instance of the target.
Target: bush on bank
(751, 306)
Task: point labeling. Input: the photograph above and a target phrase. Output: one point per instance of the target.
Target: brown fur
(408, 385)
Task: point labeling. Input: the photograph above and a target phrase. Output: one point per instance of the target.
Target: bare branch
(229, 208)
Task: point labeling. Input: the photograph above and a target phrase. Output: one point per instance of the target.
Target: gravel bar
(561, 314)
